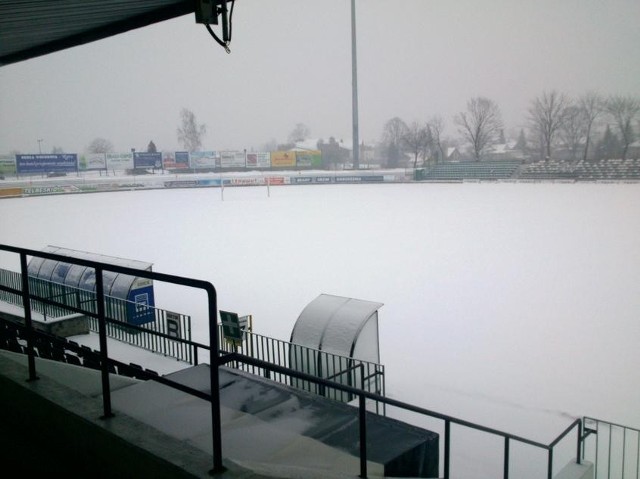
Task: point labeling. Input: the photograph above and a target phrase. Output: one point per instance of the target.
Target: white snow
(511, 305)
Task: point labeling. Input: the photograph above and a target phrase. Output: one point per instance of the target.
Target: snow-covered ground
(510, 305)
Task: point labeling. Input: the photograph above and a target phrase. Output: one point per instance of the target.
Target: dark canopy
(30, 28)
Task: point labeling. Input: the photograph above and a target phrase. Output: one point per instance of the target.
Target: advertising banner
(232, 159)
(146, 159)
(7, 165)
(261, 159)
(175, 159)
(310, 158)
(120, 161)
(65, 163)
(92, 161)
(204, 159)
(283, 159)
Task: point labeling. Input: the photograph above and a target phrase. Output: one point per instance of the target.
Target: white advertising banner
(204, 159)
(232, 159)
(120, 161)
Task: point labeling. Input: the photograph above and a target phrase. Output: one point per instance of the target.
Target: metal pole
(26, 302)
(362, 410)
(579, 451)
(506, 458)
(214, 362)
(354, 88)
(447, 447)
(104, 357)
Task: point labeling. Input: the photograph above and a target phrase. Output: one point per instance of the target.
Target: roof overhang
(31, 28)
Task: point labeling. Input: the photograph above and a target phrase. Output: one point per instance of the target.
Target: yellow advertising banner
(281, 159)
(4, 192)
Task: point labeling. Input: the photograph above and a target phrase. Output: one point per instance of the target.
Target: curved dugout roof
(333, 323)
(31, 28)
(82, 277)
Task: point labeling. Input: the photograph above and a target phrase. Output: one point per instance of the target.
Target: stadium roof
(31, 28)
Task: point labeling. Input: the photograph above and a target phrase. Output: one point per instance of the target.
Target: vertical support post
(447, 447)
(362, 413)
(550, 464)
(104, 357)
(214, 360)
(505, 475)
(579, 449)
(26, 302)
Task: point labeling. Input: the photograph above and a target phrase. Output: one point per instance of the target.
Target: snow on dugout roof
(334, 324)
(83, 277)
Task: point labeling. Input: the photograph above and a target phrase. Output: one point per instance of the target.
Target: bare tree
(436, 127)
(592, 106)
(573, 129)
(190, 134)
(100, 145)
(394, 131)
(624, 110)
(300, 132)
(417, 140)
(480, 124)
(547, 113)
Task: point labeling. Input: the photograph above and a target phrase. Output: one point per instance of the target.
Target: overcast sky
(290, 62)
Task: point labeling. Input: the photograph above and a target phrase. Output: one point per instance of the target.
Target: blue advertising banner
(144, 159)
(42, 163)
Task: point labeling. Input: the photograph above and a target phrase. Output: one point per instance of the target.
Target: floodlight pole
(354, 88)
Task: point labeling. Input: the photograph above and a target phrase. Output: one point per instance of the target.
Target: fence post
(506, 457)
(26, 302)
(104, 357)
(362, 413)
(579, 450)
(214, 359)
(447, 447)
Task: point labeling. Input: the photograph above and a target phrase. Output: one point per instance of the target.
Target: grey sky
(290, 62)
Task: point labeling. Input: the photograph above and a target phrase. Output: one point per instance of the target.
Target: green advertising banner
(7, 165)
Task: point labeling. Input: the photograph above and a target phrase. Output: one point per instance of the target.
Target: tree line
(554, 119)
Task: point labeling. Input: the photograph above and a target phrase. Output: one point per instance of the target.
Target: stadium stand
(473, 170)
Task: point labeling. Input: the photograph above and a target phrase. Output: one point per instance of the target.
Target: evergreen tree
(152, 147)
(522, 141)
(609, 146)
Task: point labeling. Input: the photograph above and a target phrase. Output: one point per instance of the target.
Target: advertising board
(309, 159)
(47, 163)
(92, 161)
(283, 159)
(261, 159)
(175, 159)
(7, 165)
(146, 159)
(232, 159)
(204, 159)
(120, 161)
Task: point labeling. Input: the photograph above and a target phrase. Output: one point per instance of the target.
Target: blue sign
(42, 163)
(146, 159)
(182, 157)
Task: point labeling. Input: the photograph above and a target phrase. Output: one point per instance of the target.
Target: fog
(512, 305)
(290, 62)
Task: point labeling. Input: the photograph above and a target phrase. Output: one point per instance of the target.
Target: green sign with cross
(231, 326)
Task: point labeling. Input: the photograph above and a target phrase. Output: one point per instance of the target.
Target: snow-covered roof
(333, 323)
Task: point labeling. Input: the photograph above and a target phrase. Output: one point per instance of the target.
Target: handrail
(99, 268)
(216, 360)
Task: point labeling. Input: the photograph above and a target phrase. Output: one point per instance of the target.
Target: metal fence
(613, 449)
(216, 361)
(68, 300)
(356, 373)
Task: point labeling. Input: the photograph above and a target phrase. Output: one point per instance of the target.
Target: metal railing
(360, 374)
(216, 360)
(614, 449)
(148, 336)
